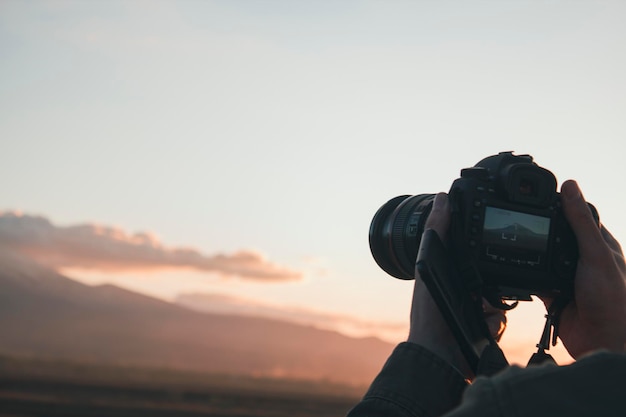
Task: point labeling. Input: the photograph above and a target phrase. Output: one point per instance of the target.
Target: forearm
(414, 382)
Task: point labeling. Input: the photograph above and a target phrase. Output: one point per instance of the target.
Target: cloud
(344, 323)
(110, 249)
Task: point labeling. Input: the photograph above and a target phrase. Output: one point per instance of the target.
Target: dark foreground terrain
(51, 389)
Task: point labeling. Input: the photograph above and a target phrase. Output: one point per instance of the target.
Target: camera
(508, 234)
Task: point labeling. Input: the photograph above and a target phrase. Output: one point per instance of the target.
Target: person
(427, 375)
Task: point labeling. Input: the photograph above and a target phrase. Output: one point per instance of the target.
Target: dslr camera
(508, 234)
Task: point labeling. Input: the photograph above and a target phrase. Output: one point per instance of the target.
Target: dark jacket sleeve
(593, 386)
(413, 382)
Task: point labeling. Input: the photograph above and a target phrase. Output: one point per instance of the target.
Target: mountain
(45, 314)
(519, 229)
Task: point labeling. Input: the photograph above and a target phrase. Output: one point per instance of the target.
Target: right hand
(596, 317)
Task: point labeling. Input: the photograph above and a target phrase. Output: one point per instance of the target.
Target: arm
(426, 375)
(414, 382)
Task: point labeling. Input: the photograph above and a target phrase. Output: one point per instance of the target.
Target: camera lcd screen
(512, 229)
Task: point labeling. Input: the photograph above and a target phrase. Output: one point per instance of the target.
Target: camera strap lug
(550, 333)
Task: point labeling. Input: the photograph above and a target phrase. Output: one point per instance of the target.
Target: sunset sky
(239, 149)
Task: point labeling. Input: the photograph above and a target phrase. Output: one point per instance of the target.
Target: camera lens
(396, 231)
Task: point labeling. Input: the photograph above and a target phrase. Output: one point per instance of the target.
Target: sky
(237, 151)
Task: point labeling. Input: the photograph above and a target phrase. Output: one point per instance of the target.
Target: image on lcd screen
(514, 229)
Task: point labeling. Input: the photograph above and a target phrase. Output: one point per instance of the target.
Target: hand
(428, 327)
(596, 317)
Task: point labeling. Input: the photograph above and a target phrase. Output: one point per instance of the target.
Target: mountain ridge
(43, 313)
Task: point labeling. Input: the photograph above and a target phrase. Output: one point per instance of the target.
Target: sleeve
(592, 386)
(414, 382)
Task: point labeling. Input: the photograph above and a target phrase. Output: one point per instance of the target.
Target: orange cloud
(110, 249)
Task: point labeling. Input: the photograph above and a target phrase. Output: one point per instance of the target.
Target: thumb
(590, 241)
(439, 217)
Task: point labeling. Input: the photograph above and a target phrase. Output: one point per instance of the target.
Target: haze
(240, 149)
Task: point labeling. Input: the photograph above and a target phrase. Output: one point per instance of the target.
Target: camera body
(508, 233)
(508, 220)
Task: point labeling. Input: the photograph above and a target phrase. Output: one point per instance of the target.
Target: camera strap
(491, 359)
(549, 334)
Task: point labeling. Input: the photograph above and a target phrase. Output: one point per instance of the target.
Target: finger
(591, 244)
(611, 241)
(618, 255)
(495, 318)
(439, 217)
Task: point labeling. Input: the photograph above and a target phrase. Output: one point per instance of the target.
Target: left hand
(428, 327)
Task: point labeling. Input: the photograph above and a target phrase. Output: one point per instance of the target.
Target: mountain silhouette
(519, 229)
(45, 314)
(515, 236)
